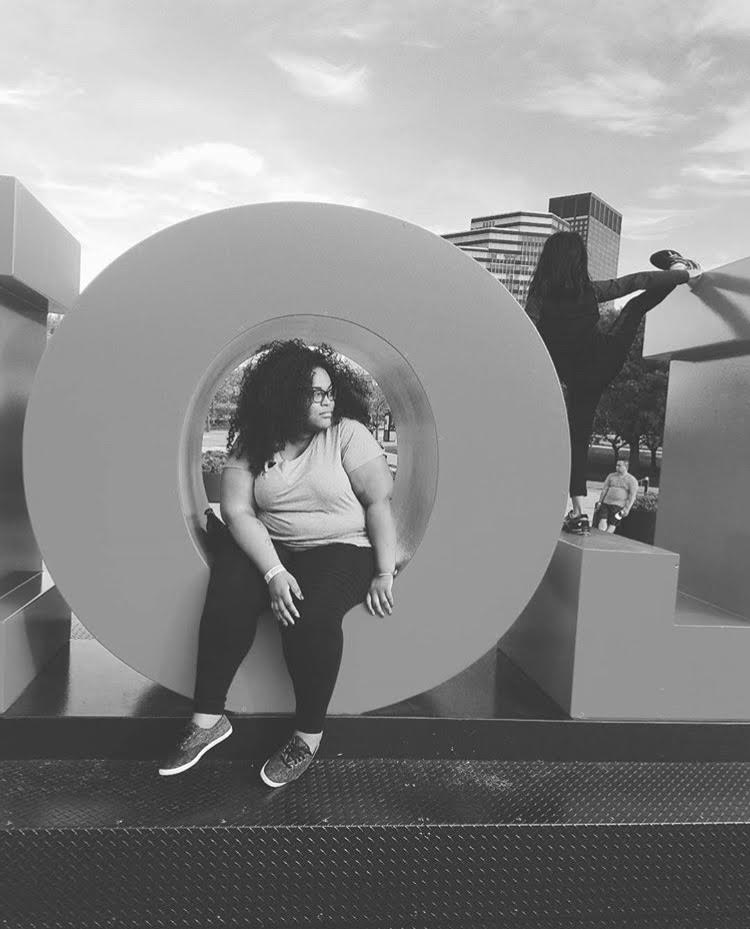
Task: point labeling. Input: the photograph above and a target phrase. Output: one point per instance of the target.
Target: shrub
(645, 503)
(213, 460)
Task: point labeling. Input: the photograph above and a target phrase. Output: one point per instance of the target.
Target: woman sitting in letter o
(306, 498)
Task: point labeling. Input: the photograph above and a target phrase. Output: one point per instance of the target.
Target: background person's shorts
(610, 512)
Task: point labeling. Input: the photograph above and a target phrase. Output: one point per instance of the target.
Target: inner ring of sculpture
(418, 453)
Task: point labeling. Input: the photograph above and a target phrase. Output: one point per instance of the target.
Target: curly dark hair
(274, 398)
(562, 270)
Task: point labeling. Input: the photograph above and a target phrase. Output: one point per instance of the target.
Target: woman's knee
(316, 623)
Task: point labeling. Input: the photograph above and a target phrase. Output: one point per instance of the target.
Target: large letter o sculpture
(113, 437)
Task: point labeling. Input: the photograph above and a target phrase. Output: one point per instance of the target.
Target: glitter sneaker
(193, 745)
(287, 763)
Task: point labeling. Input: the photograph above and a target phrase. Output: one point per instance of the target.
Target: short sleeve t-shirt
(309, 501)
(621, 486)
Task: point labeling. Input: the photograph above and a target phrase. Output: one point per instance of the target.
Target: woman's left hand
(379, 598)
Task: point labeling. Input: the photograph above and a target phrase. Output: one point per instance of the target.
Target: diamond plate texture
(377, 843)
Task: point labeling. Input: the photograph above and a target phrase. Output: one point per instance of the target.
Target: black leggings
(585, 388)
(333, 579)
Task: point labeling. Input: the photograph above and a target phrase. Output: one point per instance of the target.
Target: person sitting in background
(617, 497)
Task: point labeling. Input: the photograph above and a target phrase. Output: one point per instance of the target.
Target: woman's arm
(251, 535)
(238, 513)
(373, 485)
(641, 280)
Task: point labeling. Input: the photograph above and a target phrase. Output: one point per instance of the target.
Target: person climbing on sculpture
(616, 498)
(563, 301)
(306, 498)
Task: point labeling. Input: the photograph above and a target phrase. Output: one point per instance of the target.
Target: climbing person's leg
(582, 401)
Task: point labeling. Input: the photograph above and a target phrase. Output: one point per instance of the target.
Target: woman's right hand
(280, 588)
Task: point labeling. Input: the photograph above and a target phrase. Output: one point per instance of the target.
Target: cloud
(83, 202)
(727, 17)
(622, 101)
(364, 31)
(321, 79)
(213, 157)
(111, 207)
(647, 224)
(730, 148)
(664, 191)
(31, 94)
(718, 174)
(735, 137)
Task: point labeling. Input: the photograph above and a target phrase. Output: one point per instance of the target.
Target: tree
(634, 404)
(224, 400)
(653, 434)
(380, 411)
(606, 424)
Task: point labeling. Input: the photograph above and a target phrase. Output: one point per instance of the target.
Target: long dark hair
(275, 392)
(562, 270)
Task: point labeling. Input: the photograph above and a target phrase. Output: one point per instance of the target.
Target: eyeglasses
(319, 395)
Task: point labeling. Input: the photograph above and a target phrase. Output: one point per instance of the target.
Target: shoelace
(190, 735)
(293, 752)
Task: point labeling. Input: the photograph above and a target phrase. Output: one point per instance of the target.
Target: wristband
(277, 569)
(386, 574)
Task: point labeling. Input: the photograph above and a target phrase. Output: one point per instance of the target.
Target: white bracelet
(386, 574)
(277, 569)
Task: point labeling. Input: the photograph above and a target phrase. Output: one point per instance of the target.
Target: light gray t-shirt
(619, 488)
(309, 501)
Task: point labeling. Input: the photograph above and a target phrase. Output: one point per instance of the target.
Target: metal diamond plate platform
(392, 844)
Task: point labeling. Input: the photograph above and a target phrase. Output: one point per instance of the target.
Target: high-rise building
(508, 245)
(599, 226)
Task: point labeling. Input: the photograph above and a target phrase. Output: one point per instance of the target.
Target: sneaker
(193, 745)
(577, 525)
(287, 763)
(670, 260)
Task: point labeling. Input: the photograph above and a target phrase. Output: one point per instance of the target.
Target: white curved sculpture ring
(113, 435)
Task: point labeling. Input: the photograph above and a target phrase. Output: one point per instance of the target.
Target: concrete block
(708, 319)
(608, 636)
(34, 626)
(36, 251)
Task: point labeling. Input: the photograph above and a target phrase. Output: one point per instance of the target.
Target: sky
(125, 117)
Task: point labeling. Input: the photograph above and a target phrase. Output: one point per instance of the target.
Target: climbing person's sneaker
(193, 745)
(577, 525)
(287, 763)
(670, 260)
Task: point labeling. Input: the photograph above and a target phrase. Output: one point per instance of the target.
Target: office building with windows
(508, 245)
(599, 226)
